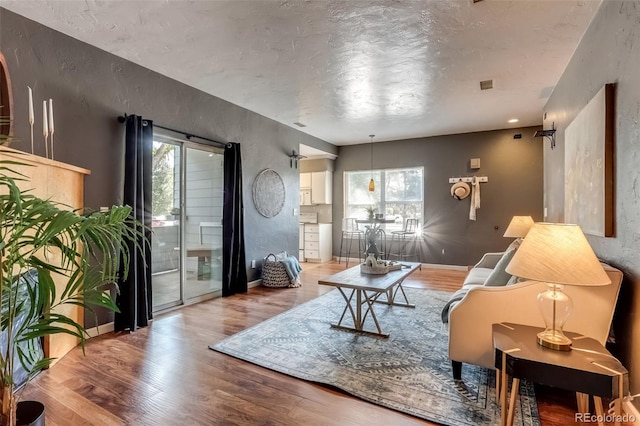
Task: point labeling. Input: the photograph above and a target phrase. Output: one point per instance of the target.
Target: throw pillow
(515, 244)
(499, 276)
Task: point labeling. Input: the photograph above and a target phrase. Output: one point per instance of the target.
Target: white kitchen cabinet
(321, 187)
(305, 180)
(316, 188)
(317, 242)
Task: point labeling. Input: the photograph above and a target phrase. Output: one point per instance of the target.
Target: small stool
(403, 239)
(350, 232)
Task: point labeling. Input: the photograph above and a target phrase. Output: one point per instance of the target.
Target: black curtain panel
(234, 269)
(134, 299)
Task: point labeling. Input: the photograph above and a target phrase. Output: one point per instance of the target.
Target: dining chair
(403, 239)
(350, 232)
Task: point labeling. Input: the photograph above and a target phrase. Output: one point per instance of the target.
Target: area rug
(408, 372)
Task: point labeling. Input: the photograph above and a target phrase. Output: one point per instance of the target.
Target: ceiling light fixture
(372, 184)
(293, 159)
(550, 133)
(513, 120)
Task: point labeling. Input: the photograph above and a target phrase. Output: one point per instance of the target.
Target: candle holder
(45, 129)
(51, 127)
(31, 125)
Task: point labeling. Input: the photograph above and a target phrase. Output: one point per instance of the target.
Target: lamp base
(555, 340)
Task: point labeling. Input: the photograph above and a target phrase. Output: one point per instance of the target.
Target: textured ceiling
(346, 69)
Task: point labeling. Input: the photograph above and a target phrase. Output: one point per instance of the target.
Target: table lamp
(518, 227)
(558, 255)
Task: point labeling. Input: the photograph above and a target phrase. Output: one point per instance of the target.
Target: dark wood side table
(587, 369)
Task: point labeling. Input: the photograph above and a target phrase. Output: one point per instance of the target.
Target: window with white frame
(398, 195)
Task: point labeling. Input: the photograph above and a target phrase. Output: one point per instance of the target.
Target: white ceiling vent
(299, 124)
(486, 85)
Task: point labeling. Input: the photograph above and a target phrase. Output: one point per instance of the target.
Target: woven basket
(274, 273)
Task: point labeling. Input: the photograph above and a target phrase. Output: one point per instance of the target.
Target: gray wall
(514, 169)
(90, 88)
(608, 53)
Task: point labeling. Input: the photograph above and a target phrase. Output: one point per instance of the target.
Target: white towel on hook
(475, 198)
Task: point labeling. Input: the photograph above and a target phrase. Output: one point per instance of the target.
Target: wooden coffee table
(368, 289)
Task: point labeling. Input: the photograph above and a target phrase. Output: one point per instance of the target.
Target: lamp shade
(518, 227)
(558, 254)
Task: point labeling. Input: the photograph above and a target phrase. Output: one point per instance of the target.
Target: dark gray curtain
(134, 299)
(234, 268)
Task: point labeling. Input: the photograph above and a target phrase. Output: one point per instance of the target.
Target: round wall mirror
(6, 100)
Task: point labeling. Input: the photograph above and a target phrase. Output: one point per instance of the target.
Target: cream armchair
(470, 319)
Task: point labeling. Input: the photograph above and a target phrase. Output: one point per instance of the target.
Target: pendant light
(372, 185)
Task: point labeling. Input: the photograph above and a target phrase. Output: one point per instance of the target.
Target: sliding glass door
(166, 264)
(203, 223)
(187, 222)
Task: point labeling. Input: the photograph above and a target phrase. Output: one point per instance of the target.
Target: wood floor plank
(165, 374)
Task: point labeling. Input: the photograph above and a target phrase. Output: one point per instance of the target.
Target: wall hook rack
(469, 179)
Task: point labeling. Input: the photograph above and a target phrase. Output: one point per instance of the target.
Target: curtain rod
(189, 136)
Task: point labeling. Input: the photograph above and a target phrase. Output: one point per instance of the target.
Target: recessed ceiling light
(513, 120)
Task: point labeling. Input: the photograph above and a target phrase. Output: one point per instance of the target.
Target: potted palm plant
(39, 240)
(370, 211)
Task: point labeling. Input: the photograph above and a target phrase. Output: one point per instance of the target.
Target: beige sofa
(481, 270)
(470, 319)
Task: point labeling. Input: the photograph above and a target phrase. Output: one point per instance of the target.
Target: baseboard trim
(254, 283)
(441, 266)
(354, 260)
(631, 410)
(101, 329)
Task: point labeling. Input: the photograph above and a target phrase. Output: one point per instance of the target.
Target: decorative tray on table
(374, 270)
(379, 269)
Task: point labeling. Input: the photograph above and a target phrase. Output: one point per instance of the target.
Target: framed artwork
(588, 166)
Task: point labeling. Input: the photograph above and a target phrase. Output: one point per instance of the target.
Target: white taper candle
(31, 117)
(45, 126)
(51, 124)
(51, 116)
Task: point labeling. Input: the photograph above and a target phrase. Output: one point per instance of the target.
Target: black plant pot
(30, 413)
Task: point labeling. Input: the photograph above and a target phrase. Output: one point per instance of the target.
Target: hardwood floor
(166, 375)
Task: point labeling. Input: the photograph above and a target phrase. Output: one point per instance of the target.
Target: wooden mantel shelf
(32, 159)
(64, 184)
